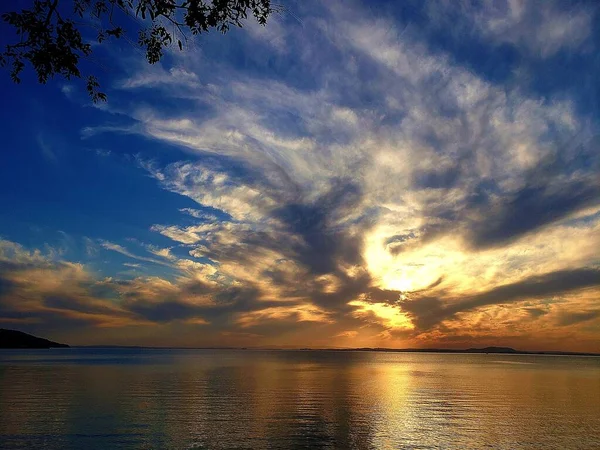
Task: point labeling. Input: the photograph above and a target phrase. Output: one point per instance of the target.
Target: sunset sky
(393, 174)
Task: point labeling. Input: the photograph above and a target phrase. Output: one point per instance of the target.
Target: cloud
(274, 35)
(536, 312)
(60, 294)
(368, 185)
(54, 292)
(155, 76)
(402, 191)
(123, 251)
(552, 190)
(571, 318)
(301, 313)
(40, 289)
(541, 30)
(347, 334)
(199, 214)
(429, 311)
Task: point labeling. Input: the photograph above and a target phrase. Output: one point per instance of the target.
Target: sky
(376, 174)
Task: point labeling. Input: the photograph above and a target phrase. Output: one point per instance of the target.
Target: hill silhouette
(492, 350)
(18, 339)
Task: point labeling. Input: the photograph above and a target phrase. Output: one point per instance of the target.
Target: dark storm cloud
(324, 245)
(165, 311)
(536, 312)
(442, 179)
(429, 311)
(552, 283)
(564, 182)
(553, 189)
(320, 236)
(534, 207)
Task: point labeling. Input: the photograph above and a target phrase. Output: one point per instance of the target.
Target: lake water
(226, 399)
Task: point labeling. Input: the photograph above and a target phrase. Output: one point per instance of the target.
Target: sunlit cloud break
(350, 179)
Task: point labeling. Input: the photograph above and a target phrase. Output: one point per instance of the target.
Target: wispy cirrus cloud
(540, 29)
(123, 251)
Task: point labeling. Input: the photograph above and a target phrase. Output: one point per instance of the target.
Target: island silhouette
(17, 339)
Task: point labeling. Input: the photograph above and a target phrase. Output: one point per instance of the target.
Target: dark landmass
(18, 339)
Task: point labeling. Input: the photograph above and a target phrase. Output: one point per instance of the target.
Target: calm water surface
(116, 398)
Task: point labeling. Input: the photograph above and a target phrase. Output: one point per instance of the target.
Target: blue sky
(414, 174)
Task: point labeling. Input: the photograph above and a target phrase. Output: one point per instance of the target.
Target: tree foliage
(49, 33)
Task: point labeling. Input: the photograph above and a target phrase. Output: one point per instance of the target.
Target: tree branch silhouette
(50, 40)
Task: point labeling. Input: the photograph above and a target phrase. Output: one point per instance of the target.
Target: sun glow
(388, 315)
(406, 271)
(402, 284)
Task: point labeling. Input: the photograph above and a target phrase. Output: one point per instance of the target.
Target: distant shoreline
(486, 350)
(17, 340)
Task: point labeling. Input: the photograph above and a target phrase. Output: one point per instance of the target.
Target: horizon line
(470, 350)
